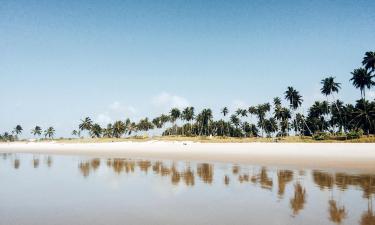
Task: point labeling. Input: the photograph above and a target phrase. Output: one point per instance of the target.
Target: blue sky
(63, 60)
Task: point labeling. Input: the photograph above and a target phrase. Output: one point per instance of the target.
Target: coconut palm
(187, 115)
(277, 102)
(330, 86)
(17, 130)
(294, 98)
(145, 125)
(119, 129)
(49, 132)
(96, 130)
(86, 124)
(108, 131)
(369, 61)
(225, 111)
(175, 114)
(362, 79)
(76, 133)
(37, 131)
(203, 119)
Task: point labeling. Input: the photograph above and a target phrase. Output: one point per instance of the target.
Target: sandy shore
(323, 155)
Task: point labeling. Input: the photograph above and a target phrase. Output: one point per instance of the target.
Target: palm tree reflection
(283, 177)
(336, 213)
(298, 201)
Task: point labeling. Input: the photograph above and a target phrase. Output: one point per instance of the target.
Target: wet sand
(359, 156)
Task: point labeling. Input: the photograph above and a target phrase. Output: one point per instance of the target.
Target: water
(41, 189)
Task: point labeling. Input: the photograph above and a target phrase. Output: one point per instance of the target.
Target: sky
(61, 61)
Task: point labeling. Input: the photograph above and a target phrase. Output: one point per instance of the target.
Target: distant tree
(17, 130)
(362, 79)
(96, 131)
(369, 61)
(49, 132)
(36, 131)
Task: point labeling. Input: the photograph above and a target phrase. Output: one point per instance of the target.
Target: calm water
(41, 189)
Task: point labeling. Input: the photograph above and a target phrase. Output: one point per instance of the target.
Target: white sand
(323, 155)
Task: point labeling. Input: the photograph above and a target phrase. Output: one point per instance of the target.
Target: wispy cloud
(166, 101)
(115, 111)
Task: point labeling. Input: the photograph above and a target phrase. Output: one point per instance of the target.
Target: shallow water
(41, 189)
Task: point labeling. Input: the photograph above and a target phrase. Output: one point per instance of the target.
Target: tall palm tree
(187, 115)
(362, 79)
(118, 129)
(50, 132)
(85, 124)
(17, 130)
(96, 131)
(369, 61)
(175, 114)
(329, 88)
(76, 133)
(294, 98)
(277, 102)
(225, 111)
(36, 131)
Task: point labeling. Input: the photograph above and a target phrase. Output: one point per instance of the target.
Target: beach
(359, 156)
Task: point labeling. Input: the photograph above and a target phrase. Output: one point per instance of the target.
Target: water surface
(42, 189)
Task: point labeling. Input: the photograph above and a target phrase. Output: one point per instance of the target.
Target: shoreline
(359, 156)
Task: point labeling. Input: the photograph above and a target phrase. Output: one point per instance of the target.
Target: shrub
(355, 134)
(321, 136)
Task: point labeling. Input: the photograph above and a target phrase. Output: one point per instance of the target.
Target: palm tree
(235, 120)
(225, 111)
(277, 101)
(294, 98)
(85, 124)
(50, 132)
(188, 115)
(175, 113)
(145, 125)
(108, 131)
(203, 119)
(96, 130)
(36, 131)
(76, 133)
(17, 130)
(369, 61)
(118, 129)
(329, 88)
(362, 79)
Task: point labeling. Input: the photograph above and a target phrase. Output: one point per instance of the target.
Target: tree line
(329, 117)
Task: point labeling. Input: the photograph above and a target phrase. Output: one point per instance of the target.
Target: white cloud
(115, 111)
(118, 107)
(103, 119)
(167, 101)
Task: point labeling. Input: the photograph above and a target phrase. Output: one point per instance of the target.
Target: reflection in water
(283, 177)
(262, 178)
(49, 161)
(35, 162)
(16, 163)
(368, 217)
(298, 201)
(336, 213)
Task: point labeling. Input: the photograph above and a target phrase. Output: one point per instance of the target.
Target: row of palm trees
(37, 131)
(329, 116)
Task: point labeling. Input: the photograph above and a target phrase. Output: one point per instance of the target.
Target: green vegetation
(329, 120)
